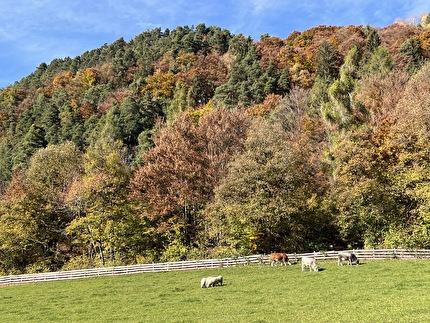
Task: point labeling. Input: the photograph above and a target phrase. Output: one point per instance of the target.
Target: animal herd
(311, 262)
(276, 257)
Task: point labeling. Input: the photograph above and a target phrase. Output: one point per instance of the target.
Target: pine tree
(327, 65)
(373, 40)
(32, 141)
(412, 49)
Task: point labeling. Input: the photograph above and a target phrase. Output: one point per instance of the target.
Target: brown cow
(275, 257)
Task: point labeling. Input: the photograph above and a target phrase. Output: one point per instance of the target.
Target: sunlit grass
(376, 291)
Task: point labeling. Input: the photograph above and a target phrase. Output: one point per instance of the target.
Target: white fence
(377, 254)
(202, 264)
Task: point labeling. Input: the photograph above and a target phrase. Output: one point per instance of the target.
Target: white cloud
(262, 8)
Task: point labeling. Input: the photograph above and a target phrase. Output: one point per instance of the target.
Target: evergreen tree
(412, 49)
(5, 164)
(32, 141)
(373, 40)
(132, 121)
(50, 122)
(270, 79)
(219, 39)
(178, 103)
(284, 82)
(71, 124)
(379, 62)
(239, 46)
(319, 96)
(327, 62)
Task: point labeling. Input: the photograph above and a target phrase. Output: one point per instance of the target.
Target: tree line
(197, 143)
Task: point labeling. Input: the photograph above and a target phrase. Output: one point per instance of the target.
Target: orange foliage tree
(179, 174)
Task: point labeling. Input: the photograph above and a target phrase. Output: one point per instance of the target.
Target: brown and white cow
(277, 256)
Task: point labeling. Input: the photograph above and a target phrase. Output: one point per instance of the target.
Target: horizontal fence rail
(376, 254)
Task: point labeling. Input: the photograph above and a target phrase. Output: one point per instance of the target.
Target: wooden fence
(376, 254)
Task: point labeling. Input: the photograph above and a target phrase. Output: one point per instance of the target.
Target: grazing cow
(346, 256)
(203, 283)
(275, 257)
(309, 262)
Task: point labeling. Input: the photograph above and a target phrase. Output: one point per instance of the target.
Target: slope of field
(376, 291)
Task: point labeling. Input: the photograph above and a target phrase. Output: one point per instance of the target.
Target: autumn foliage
(196, 142)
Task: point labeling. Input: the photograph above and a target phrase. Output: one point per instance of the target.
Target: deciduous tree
(269, 199)
(179, 174)
(104, 227)
(34, 214)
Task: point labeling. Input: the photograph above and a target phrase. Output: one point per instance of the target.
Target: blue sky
(36, 31)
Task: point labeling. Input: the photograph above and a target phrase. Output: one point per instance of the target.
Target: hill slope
(196, 141)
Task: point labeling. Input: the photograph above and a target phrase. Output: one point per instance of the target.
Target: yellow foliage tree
(160, 85)
(62, 80)
(425, 20)
(89, 77)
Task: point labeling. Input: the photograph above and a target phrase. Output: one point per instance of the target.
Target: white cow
(309, 262)
(346, 256)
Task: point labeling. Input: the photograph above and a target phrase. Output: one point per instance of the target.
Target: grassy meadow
(375, 291)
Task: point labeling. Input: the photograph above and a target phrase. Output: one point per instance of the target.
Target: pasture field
(375, 291)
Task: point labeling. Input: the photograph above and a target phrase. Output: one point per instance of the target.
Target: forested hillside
(195, 142)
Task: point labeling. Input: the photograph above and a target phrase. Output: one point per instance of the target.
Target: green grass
(376, 291)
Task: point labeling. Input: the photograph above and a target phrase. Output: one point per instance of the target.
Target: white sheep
(218, 280)
(210, 282)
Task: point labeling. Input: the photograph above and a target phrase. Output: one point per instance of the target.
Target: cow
(309, 262)
(347, 256)
(275, 257)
